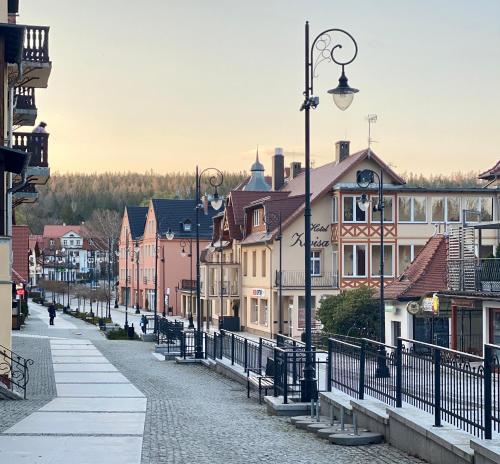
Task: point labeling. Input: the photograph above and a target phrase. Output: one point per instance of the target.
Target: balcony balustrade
(36, 44)
(189, 285)
(295, 279)
(36, 144)
(474, 275)
(229, 288)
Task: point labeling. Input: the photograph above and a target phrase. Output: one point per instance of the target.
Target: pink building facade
(173, 264)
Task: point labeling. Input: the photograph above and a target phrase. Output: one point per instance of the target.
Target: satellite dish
(413, 307)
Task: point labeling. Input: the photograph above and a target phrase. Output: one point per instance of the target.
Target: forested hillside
(71, 198)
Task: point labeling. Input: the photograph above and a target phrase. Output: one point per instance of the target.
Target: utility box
(230, 323)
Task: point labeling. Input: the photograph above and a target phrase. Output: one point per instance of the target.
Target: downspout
(271, 321)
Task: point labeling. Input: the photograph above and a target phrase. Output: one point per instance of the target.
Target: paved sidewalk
(97, 412)
(94, 390)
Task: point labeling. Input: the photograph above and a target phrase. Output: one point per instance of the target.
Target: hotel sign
(316, 241)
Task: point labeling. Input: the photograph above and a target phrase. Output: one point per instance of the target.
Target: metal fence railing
(460, 388)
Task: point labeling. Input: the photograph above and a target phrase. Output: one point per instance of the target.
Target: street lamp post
(189, 254)
(169, 235)
(127, 290)
(273, 219)
(137, 250)
(326, 47)
(215, 180)
(365, 178)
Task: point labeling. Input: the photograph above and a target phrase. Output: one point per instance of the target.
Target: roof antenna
(372, 119)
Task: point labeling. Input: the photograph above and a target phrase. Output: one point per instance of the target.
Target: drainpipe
(271, 300)
(10, 123)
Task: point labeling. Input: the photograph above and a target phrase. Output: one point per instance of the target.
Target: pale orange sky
(163, 84)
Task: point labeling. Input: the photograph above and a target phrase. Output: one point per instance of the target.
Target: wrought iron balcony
(295, 279)
(474, 275)
(36, 44)
(189, 285)
(27, 194)
(36, 144)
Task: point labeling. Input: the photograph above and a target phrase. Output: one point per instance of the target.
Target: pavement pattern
(192, 413)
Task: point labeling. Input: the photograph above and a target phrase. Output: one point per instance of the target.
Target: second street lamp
(364, 179)
(169, 235)
(136, 251)
(216, 178)
(325, 47)
(187, 252)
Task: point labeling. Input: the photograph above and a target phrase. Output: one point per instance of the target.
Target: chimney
(278, 169)
(295, 169)
(341, 150)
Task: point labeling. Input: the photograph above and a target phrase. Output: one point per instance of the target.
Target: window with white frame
(406, 254)
(316, 262)
(412, 209)
(354, 261)
(453, 207)
(263, 312)
(446, 209)
(254, 310)
(438, 209)
(335, 210)
(351, 210)
(484, 207)
(388, 261)
(388, 210)
(256, 217)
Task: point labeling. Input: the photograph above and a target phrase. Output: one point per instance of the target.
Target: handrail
(442, 348)
(14, 371)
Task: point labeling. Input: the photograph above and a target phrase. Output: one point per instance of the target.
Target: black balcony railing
(187, 284)
(25, 98)
(474, 274)
(36, 144)
(36, 44)
(295, 279)
(460, 388)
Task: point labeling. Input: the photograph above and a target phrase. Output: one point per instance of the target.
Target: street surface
(86, 402)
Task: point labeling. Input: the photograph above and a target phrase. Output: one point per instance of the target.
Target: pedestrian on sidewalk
(52, 313)
(144, 323)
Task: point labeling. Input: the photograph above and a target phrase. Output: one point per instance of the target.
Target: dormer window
(255, 218)
(186, 226)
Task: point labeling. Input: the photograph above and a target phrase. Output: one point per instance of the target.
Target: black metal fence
(459, 388)
(169, 333)
(14, 371)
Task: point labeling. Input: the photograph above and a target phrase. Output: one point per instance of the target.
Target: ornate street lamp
(364, 179)
(136, 251)
(187, 252)
(169, 235)
(215, 179)
(325, 47)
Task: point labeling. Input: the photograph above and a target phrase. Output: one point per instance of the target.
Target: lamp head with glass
(343, 94)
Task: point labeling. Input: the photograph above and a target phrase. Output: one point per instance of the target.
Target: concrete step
(307, 417)
(303, 424)
(361, 439)
(6, 394)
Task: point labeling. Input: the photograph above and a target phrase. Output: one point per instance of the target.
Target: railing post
(246, 355)
(221, 338)
(285, 378)
(276, 375)
(260, 355)
(25, 366)
(437, 387)
(183, 345)
(205, 335)
(362, 358)
(488, 398)
(329, 366)
(399, 373)
(215, 345)
(232, 349)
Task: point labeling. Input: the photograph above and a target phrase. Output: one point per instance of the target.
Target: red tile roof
(426, 274)
(325, 177)
(492, 172)
(56, 230)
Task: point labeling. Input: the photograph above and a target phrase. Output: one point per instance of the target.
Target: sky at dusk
(164, 84)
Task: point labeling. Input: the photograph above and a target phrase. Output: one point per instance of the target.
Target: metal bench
(262, 382)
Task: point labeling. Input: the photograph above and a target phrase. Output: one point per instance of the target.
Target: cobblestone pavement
(194, 414)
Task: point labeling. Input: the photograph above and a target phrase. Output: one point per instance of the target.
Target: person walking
(52, 313)
(144, 323)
